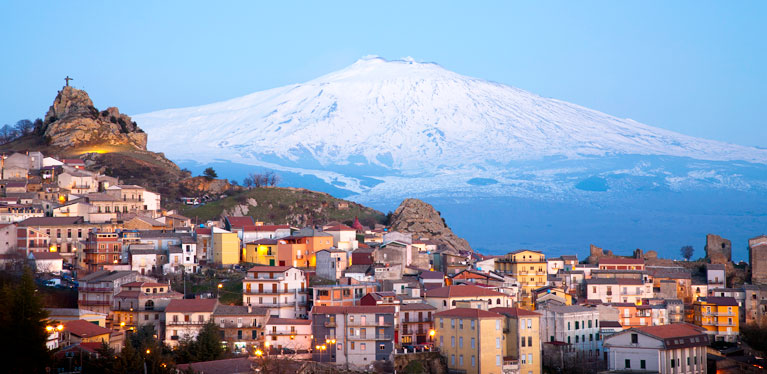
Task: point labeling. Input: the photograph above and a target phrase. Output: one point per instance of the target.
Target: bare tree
(24, 127)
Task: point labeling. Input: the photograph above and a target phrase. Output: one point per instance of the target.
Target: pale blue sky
(695, 67)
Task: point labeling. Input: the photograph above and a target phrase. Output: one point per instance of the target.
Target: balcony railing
(95, 302)
(368, 323)
(185, 323)
(95, 289)
(370, 337)
(425, 320)
(330, 324)
(267, 292)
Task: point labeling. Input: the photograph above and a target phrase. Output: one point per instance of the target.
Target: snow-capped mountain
(412, 116)
(383, 130)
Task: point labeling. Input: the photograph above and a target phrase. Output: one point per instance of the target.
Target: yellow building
(719, 316)
(548, 293)
(528, 268)
(261, 252)
(226, 247)
(521, 329)
(471, 340)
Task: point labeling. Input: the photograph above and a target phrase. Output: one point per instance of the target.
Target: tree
(208, 342)
(22, 327)
(210, 173)
(7, 134)
(753, 334)
(687, 252)
(24, 127)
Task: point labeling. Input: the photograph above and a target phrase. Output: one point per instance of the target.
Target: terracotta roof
(191, 305)
(239, 221)
(51, 221)
(85, 329)
(340, 228)
(352, 309)
(514, 312)
(47, 256)
(621, 261)
(202, 231)
(462, 291)
(269, 269)
(145, 284)
(722, 301)
(609, 324)
(129, 294)
(467, 313)
(676, 335)
(287, 321)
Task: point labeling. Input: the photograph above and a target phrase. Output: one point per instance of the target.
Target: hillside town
(344, 297)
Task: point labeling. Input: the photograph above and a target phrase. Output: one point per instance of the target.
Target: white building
(281, 289)
(344, 237)
(184, 318)
(677, 348)
(77, 182)
(143, 258)
(47, 262)
(576, 325)
(618, 290)
(290, 333)
(554, 265)
(251, 234)
(716, 276)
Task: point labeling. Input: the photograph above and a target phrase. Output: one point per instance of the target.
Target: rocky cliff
(73, 121)
(424, 221)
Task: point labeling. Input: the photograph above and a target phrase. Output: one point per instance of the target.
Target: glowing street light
(220, 286)
(122, 324)
(49, 328)
(148, 351)
(432, 333)
(259, 353)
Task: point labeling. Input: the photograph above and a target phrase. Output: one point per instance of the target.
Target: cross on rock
(67, 79)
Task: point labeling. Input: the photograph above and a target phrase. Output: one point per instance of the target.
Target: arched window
(453, 302)
(444, 302)
(149, 305)
(498, 301)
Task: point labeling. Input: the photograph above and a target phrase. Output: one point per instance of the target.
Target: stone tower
(718, 249)
(757, 257)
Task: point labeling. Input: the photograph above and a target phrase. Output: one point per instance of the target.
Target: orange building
(719, 316)
(299, 249)
(342, 295)
(102, 248)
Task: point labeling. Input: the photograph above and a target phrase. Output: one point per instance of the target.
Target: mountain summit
(407, 116)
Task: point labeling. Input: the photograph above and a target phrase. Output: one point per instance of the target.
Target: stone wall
(431, 362)
(757, 252)
(718, 249)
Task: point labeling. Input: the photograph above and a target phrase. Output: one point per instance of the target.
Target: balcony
(268, 292)
(425, 320)
(96, 289)
(330, 324)
(95, 302)
(385, 337)
(185, 323)
(367, 324)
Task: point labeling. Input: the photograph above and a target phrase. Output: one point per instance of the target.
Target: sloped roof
(269, 269)
(239, 310)
(51, 221)
(239, 221)
(416, 306)
(85, 329)
(265, 228)
(722, 301)
(463, 290)
(46, 256)
(676, 335)
(339, 228)
(264, 242)
(191, 305)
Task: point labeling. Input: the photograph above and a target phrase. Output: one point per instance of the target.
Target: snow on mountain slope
(410, 116)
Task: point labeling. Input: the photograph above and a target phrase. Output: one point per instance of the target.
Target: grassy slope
(287, 205)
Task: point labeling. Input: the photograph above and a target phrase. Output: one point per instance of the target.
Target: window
(497, 360)
(363, 346)
(497, 324)
(201, 318)
(568, 325)
(589, 323)
(352, 345)
(441, 341)
(382, 347)
(452, 359)
(689, 362)
(472, 343)
(452, 341)
(472, 324)
(576, 338)
(529, 341)
(673, 363)
(634, 338)
(568, 340)
(452, 323)
(441, 323)
(460, 342)
(472, 360)
(628, 364)
(642, 364)
(460, 324)
(529, 358)
(576, 325)
(522, 340)
(591, 337)
(460, 360)
(529, 323)
(497, 342)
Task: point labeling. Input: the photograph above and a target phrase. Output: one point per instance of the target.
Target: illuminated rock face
(73, 121)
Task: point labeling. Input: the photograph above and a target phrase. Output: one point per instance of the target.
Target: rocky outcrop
(73, 121)
(200, 185)
(423, 221)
